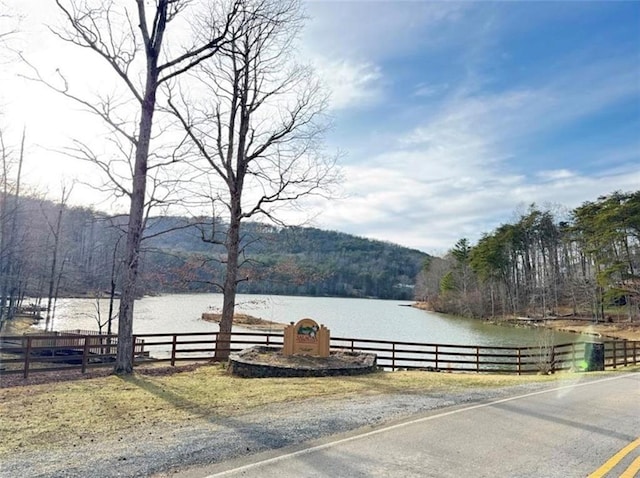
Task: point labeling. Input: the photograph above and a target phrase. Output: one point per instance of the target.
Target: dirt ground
(247, 321)
(617, 330)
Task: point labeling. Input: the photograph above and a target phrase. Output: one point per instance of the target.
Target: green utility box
(594, 356)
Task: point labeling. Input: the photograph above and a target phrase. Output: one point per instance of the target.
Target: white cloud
(463, 170)
(402, 207)
(351, 84)
(555, 174)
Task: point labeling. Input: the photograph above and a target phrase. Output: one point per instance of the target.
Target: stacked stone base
(251, 363)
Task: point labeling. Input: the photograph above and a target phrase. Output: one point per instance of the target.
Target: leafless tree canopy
(256, 119)
(133, 40)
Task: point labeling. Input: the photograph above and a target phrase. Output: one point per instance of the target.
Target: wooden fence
(31, 353)
(56, 351)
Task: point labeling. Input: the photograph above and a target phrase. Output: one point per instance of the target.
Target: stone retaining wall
(242, 365)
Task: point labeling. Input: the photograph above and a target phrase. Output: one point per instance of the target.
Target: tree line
(285, 261)
(545, 264)
(50, 250)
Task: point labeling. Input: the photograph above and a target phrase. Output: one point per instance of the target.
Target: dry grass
(20, 325)
(67, 413)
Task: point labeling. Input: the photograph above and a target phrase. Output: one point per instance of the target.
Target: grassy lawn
(64, 413)
(67, 413)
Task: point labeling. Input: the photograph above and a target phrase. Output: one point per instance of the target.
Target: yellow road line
(633, 469)
(615, 459)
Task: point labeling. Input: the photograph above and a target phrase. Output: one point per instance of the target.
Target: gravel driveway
(161, 450)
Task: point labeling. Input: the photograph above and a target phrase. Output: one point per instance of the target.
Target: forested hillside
(294, 260)
(51, 250)
(541, 265)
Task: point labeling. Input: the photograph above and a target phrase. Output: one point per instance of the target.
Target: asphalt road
(583, 428)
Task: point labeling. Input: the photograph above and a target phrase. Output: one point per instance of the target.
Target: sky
(450, 118)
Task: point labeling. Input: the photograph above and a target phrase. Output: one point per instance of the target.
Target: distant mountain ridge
(288, 261)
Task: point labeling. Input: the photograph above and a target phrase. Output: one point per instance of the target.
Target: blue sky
(451, 117)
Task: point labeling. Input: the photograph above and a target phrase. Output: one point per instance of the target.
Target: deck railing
(31, 353)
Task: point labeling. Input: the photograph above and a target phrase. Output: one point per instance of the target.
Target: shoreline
(614, 330)
(576, 325)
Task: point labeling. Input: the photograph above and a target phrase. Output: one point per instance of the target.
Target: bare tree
(9, 211)
(259, 131)
(115, 269)
(9, 189)
(55, 230)
(98, 315)
(131, 37)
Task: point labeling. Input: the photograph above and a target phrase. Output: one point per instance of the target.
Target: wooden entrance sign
(306, 337)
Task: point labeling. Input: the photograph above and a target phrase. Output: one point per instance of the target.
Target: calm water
(358, 318)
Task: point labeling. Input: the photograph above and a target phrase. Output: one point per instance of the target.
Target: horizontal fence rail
(468, 358)
(57, 351)
(73, 350)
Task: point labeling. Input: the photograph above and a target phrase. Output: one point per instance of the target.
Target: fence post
(552, 360)
(173, 350)
(519, 361)
(352, 346)
(85, 353)
(112, 348)
(477, 359)
(133, 351)
(614, 353)
(393, 357)
(437, 357)
(624, 348)
(26, 358)
(267, 335)
(573, 356)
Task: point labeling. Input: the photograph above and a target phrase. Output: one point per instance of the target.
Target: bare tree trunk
(12, 269)
(124, 358)
(230, 285)
(112, 285)
(52, 274)
(4, 175)
(493, 305)
(56, 292)
(55, 230)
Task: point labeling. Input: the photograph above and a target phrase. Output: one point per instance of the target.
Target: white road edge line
(377, 431)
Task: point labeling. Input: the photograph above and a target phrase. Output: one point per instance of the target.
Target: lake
(358, 318)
